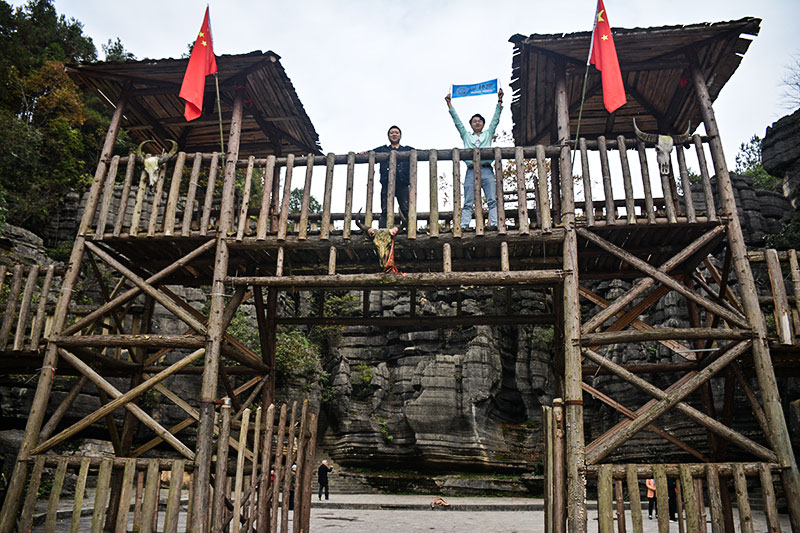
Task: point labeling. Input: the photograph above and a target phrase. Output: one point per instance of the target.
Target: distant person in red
(322, 476)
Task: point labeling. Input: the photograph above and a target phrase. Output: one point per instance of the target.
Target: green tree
(50, 131)
(748, 163)
(296, 202)
(114, 51)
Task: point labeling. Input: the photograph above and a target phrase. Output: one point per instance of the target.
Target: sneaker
(649, 517)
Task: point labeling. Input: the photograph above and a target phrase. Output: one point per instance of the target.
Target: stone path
(379, 513)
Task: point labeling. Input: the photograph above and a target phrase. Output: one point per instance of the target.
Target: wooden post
(605, 508)
(302, 225)
(630, 208)
(172, 197)
(522, 194)
(708, 193)
(498, 182)
(208, 394)
(573, 377)
(611, 212)
(412, 194)
(325, 225)
(648, 195)
(221, 477)
(559, 475)
(433, 212)
(348, 196)
(543, 197)
(126, 191)
(634, 497)
(477, 208)
(391, 186)
(244, 219)
(209, 198)
(16, 485)
(588, 204)
(266, 192)
(742, 499)
(620, 504)
(770, 505)
(370, 189)
(686, 185)
(456, 193)
(188, 210)
(547, 435)
(783, 322)
(779, 433)
(287, 195)
(108, 193)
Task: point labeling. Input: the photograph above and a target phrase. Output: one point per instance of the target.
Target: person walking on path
(401, 179)
(478, 138)
(322, 477)
(292, 482)
(651, 497)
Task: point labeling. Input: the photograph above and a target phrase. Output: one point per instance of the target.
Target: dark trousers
(401, 193)
(321, 487)
(651, 504)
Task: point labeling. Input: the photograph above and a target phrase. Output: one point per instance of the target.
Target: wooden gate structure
(243, 240)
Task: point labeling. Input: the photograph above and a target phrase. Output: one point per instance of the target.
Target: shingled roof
(655, 71)
(274, 119)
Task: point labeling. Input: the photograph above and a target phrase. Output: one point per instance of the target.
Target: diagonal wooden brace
(666, 401)
(151, 291)
(646, 268)
(121, 400)
(643, 284)
(134, 292)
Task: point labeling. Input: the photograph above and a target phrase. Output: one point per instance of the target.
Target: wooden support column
(779, 433)
(208, 393)
(573, 393)
(16, 486)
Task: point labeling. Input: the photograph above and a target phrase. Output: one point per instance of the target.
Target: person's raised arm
(496, 118)
(456, 120)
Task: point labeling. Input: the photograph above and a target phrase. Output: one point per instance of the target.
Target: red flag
(201, 63)
(604, 57)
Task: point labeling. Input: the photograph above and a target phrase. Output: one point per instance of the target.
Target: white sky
(360, 66)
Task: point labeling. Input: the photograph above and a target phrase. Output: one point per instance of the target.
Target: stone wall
(780, 153)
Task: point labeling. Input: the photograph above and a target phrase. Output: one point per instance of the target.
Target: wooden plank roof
(274, 122)
(655, 71)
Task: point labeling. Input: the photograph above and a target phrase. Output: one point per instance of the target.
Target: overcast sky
(360, 66)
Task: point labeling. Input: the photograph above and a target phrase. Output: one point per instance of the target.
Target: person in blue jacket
(478, 138)
(402, 175)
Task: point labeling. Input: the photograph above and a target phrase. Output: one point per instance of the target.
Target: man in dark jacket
(322, 475)
(401, 177)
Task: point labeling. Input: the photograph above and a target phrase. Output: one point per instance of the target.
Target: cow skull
(152, 162)
(382, 238)
(664, 144)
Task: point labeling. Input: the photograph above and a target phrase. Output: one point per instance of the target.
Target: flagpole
(219, 111)
(583, 91)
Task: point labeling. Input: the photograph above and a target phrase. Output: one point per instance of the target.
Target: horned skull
(664, 144)
(152, 162)
(382, 238)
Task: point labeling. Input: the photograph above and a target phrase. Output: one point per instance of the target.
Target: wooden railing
(188, 204)
(26, 317)
(137, 494)
(784, 298)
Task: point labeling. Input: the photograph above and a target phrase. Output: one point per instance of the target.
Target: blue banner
(475, 89)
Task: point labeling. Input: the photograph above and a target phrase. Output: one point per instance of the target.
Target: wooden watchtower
(252, 246)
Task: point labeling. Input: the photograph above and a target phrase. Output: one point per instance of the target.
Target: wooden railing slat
(325, 226)
(126, 492)
(191, 193)
(302, 228)
(80, 489)
(605, 508)
(456, 157)
(686, 185)
(498, 183)
(477, 182)
(151, 488)
(152, 226)
(708, 193)
(433, 216)
(11, 306)
(101, 496)
(208, 201)
(587, 183)
(412, 195)
(608, 191)
(634, 497)
(24, 310)
(648, 193)
(783, 321)
(170, 212)
(174, 497)
(38, 322)
(543, 198)
(742, 499)
(630, 208)
(108, 193)
(391, 187)
(126, 192)
(370, 189)
(26, 517)
(263, 213)
(523, 221)
(348, 195)
(244, 218)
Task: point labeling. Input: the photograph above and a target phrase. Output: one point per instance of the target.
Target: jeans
(401, 193)
(489, 191)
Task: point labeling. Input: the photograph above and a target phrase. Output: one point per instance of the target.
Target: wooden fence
(251, 489)
(26, 317)
(187, 205)
(785, 316)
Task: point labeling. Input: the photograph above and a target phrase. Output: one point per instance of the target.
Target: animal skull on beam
(664, 144)
(152, 162)
(382, 238)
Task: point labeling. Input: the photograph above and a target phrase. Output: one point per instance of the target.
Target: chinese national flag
(201, 63)
(604, 57)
